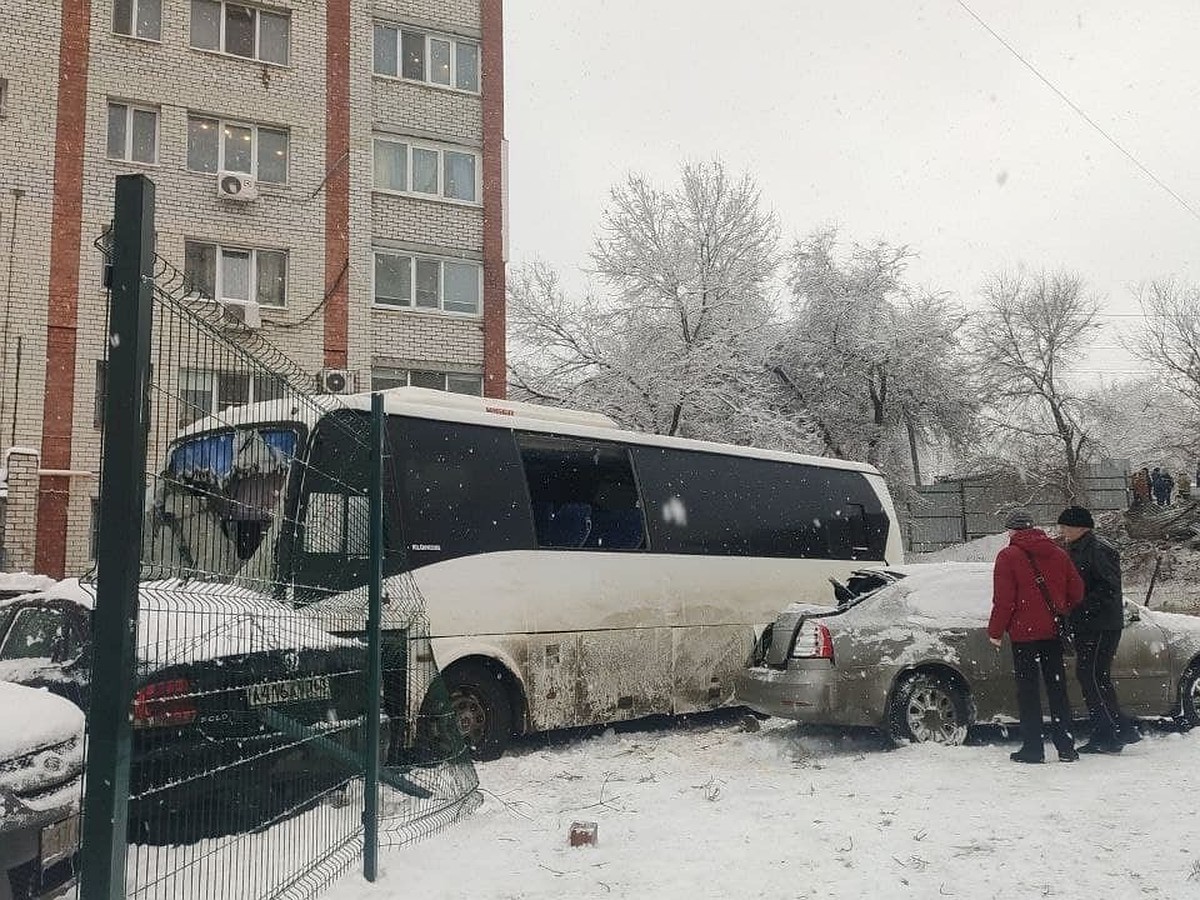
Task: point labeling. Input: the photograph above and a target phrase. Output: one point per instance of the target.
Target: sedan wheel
(1189, 695)
(929, 709)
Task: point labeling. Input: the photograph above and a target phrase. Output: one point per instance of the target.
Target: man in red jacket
(1033, 581)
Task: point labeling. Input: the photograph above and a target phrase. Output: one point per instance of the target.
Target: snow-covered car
(41, 766)
(912, 657)
(241, 704)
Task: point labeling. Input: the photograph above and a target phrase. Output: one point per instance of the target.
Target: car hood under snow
(31, 719)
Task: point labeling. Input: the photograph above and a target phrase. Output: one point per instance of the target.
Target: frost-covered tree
(1147, 422)
(1169, 336)
(874, 364)
(1029, 330)
(678, 342)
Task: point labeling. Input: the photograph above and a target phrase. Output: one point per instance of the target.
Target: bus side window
(582, 493)
(458, 491)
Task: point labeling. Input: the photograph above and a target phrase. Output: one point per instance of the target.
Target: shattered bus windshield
(219, 497)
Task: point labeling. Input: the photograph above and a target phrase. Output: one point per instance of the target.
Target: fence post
(374, 660)
(118, 554)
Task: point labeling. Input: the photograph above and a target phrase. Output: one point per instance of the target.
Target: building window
(430, 58)
(132, 133)
(101, 392)
(217, 145)
(426, 170)
(138, 18)
(384, 378)
(420, 282)
(245, 31)
(218, 272)
(203, 392)
(94, 542)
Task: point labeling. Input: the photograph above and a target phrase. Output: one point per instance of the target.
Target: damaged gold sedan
(908, 653)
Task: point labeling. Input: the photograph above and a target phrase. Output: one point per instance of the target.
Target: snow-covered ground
(711, 810)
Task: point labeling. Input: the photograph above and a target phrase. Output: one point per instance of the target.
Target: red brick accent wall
(58, 405)
(337, 185)
(494, 357)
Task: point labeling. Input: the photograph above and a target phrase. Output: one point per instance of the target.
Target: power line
(1067, 100)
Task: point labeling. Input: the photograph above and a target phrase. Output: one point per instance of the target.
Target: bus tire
(482, 706)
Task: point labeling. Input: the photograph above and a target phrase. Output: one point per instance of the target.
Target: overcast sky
(904, 121)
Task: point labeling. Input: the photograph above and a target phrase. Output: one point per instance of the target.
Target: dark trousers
(1028, 659)
(1094, 657)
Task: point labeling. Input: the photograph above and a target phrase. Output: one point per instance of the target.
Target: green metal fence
(250, 746)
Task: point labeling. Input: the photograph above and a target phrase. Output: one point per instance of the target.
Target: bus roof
(426, 403)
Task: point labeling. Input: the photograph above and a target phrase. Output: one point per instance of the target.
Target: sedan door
(1141, 668)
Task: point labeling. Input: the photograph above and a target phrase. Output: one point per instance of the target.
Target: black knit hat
(1076, 516)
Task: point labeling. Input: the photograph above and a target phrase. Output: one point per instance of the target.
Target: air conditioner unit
(334, 381)
(245, 313)
(236, 186)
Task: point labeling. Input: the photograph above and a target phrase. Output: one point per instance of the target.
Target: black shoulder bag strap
(1060, 625)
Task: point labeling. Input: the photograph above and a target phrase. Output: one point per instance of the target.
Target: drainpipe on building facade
(17, 194)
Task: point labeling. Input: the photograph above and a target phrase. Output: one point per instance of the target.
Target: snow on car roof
(23, 582)
(185, 622)
(31, 719)
(946, 593)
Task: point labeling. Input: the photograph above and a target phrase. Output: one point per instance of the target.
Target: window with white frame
(220, 272)
(220, 145)
(385, 377)
(132, 132)
(426, 169)
(416, 55)
(138, 18)
(425, 282)
(240, 30)
(203, 392)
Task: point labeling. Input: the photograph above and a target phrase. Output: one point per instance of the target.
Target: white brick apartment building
(374, 133)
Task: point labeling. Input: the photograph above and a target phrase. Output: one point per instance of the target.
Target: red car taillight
(165, 703)
(813, 642)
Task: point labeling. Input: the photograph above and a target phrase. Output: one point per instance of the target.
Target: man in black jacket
(1097, 624)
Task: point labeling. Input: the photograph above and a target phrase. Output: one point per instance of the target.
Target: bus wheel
(480, 700)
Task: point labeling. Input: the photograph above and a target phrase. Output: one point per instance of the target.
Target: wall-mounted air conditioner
(334, 381)
(236, 186)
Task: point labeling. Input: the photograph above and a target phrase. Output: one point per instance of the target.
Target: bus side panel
(706, 660)
(592, 677)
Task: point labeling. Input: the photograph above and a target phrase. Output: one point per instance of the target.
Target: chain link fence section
(252, 688)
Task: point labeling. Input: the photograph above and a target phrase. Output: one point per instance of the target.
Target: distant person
(1183, 487)
(1159, 486)
(1141, 487)
(1168, 487)
(1097, 624)
(1032, 582)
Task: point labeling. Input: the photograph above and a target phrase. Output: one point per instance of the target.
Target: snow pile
(714, 812)
(982, 549)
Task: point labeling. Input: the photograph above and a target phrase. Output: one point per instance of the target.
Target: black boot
(1101, 744)
(1129, 734)
(1028, 755)
(1068, 755)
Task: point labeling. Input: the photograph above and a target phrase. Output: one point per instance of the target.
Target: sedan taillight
(813, 642)
(163, 704)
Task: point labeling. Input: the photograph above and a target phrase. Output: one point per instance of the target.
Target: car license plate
(59, 841)
(280, 693)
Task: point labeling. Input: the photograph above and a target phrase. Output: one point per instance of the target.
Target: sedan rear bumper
(797, 692)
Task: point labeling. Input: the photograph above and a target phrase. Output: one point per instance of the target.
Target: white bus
(574, 573)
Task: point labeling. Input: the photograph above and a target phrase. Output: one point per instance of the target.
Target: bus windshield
(218, 498)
